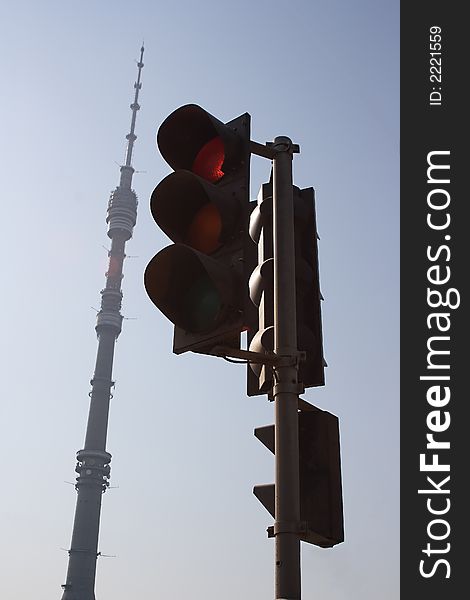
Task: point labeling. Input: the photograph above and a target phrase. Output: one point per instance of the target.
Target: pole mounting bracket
(271, 149)
(283, 144)
(287, 527)
(269, 359)
(287, 388)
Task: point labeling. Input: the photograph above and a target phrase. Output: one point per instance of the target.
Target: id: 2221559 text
(435, 66)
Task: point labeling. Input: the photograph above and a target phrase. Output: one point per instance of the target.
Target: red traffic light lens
(209, 160)
(204, 230)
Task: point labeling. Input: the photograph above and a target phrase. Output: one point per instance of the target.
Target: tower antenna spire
(131, 137)
(93, 461)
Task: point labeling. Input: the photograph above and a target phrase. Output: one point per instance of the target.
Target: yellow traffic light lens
(205, 229)
(209, 160)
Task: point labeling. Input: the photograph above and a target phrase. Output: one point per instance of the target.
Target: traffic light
(261, 290)
(200, 282)
(308, 296)
(321, 504)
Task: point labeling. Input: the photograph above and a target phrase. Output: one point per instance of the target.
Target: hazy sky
(183, 521)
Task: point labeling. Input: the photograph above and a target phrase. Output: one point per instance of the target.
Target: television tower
(93, 462)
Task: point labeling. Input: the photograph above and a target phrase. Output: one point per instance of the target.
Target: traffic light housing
(308, 296)
(321, 504)
(261, 291)
(200, 283)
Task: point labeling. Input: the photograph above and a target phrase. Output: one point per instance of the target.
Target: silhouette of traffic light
(308, 296)
(200, 282)
(261, 290)
(321, 504)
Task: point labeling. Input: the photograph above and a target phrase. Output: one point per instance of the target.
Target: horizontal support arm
(257, 357)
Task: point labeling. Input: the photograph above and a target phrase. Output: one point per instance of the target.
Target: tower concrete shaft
(93, 461)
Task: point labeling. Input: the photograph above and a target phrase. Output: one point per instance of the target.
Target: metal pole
(285, 390)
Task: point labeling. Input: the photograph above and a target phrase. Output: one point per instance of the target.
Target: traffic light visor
(192, 290)
(193, 212)
(191, 138)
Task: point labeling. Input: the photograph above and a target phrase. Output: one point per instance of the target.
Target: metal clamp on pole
(283, 144)
(297, 527)
(287, 388)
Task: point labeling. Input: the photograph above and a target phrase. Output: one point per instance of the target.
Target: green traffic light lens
(194, 291)
(201, 306)
(209, 160)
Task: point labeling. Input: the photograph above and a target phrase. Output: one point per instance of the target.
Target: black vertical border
(426, 128)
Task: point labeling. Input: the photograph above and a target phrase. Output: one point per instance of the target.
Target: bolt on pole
(286, 387)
